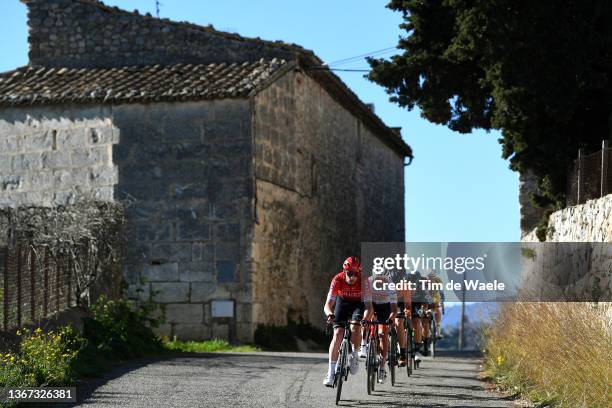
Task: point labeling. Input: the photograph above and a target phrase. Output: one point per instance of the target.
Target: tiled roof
(40, 85)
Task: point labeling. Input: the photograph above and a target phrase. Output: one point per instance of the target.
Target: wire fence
(52, 260)
(589, 176)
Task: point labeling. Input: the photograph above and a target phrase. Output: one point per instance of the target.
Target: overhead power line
(358, 57)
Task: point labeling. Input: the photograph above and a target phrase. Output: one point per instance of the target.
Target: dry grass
(558, 354)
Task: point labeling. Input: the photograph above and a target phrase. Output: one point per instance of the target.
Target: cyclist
(437, 300)
(346, 301)
(404, 302)
(420, 299)
(384, 302)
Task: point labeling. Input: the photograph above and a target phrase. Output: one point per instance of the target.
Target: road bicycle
(410, 347)
(429, 342)
(372, 357)
(342, 365)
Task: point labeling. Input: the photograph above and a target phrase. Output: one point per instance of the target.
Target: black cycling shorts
(348, 311)
(400, 310)
(382, 311)
(416, 306)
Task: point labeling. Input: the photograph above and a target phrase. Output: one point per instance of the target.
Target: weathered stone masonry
(249, 179)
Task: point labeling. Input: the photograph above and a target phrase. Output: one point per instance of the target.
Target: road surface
(282, 380)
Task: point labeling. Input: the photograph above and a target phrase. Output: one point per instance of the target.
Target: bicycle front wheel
(392, 356)
(434, 337)
(340, 372)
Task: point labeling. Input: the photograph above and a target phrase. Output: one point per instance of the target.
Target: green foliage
(42, 359)
(120, 329)
(206, 346)
(284, 338)
(538, 71)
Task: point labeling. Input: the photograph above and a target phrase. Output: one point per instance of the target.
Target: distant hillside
(476, 312)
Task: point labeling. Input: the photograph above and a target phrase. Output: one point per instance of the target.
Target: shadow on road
(86, 388)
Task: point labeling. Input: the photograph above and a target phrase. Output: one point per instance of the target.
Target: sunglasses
(350, 274)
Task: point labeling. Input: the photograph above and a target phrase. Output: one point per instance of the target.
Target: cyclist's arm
(369, 312)
(328, 309)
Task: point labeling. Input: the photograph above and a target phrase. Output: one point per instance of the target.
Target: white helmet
(431, 273)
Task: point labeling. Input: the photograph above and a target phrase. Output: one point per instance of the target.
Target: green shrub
(120, 329)
(42, 359)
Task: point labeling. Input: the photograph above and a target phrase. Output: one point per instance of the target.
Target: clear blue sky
(457, 189)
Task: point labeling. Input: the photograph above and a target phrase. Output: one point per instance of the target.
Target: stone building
(249, 171)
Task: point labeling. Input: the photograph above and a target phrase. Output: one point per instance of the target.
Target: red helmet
(352, 264)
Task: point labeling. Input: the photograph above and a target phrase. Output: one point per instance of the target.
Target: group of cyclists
(361, 301)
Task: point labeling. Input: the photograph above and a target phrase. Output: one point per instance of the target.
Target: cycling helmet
(352, 264)
(431, 273)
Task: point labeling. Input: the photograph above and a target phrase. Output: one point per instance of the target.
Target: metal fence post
(604, 168)
(19, 263)
(6, 294)
(579, 175)
(32, 284)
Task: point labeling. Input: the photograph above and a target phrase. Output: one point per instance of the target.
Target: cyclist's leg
(417, 325)
(356, 317)
(401, 331)
(425, 322)
(341, 310)
(382, 314)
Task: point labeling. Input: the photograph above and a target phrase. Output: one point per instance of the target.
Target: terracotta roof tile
(36, 86)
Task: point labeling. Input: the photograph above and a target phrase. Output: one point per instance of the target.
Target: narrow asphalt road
(282, 380)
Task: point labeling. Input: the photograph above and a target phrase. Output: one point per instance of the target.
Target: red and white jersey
(339, 288)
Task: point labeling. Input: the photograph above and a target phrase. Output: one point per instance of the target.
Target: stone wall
(86, 33)
(51, 155)
(586, 223)
(324, 183)
(186, 170)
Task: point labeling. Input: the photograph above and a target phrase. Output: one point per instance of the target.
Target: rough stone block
(201, 291)
(189, 331)
(103, 193)
(245, 332)
(139, 292)
(37, 141)
(174, 251)
(189, 230)
(71, 138)
(169, 292)
(154, 232)
(162, 272)
(220, 331)
(164, 330)
(102, 135)
(103, 175)
(90, 156)
(184, 313)
(200, 271)
(10, 143)
(227, 251)
(202, 251)
(55, 159)
(227, 232)
(5, 162)
(27, 161)
(226, 271)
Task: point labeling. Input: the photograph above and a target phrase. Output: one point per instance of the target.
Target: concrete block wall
(186, 168)
(52, 155)
(325, 183)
